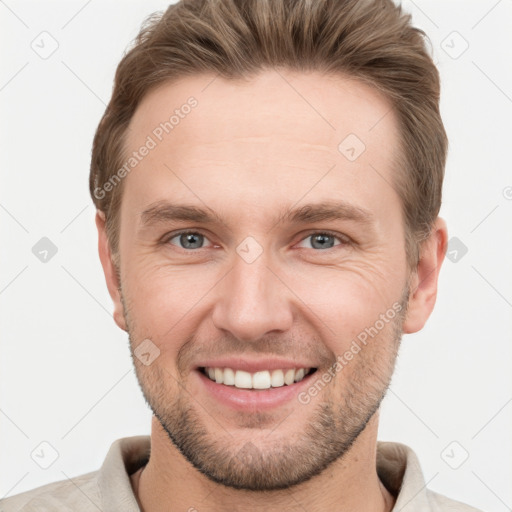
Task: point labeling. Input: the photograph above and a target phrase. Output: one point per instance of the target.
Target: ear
(109, 269)
(423, 286)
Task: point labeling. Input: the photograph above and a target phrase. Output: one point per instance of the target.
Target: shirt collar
(400, 471)
(125, 456)
(397, 466)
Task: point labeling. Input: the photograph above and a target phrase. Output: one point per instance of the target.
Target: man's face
(260, 285)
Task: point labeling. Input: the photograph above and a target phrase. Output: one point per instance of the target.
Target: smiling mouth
(265, 379)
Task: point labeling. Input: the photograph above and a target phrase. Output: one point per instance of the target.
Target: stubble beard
(330, 431)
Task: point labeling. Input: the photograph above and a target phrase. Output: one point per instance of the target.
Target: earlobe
(423, 287)
(110, 270)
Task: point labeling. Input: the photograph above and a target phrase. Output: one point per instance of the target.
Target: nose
(252, 301)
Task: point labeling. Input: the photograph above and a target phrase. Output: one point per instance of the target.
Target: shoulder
(79, 494)
(109, 488)
(443, 504)
(400, 471)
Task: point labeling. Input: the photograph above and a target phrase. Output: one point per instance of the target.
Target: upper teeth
(258, 380)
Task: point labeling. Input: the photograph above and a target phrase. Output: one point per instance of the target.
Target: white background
(65, 372)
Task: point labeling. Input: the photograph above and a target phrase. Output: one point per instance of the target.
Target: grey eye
(321, 241)
(189, 240)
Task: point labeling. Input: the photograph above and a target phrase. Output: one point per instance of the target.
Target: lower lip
(258, 399)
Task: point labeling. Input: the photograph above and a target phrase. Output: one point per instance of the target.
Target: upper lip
(252, 366)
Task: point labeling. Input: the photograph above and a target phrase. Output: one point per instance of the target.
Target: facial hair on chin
(331, 430)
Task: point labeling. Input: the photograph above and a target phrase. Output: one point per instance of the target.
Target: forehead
(279, 125)
(313, 107)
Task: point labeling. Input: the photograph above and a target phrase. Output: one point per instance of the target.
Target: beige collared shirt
(109, 489)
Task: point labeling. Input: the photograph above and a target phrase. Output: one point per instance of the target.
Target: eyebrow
(328, 210)
(164, 211)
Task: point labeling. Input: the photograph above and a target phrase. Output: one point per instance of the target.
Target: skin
(250, 151)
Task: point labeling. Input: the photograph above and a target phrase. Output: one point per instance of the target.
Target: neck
(169, 481)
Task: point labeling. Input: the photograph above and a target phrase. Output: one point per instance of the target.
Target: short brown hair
(371, 40)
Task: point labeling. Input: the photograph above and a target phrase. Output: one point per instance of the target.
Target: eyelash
(343, 239)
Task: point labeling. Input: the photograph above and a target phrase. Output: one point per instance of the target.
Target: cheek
(342, 302)
(164, 302)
